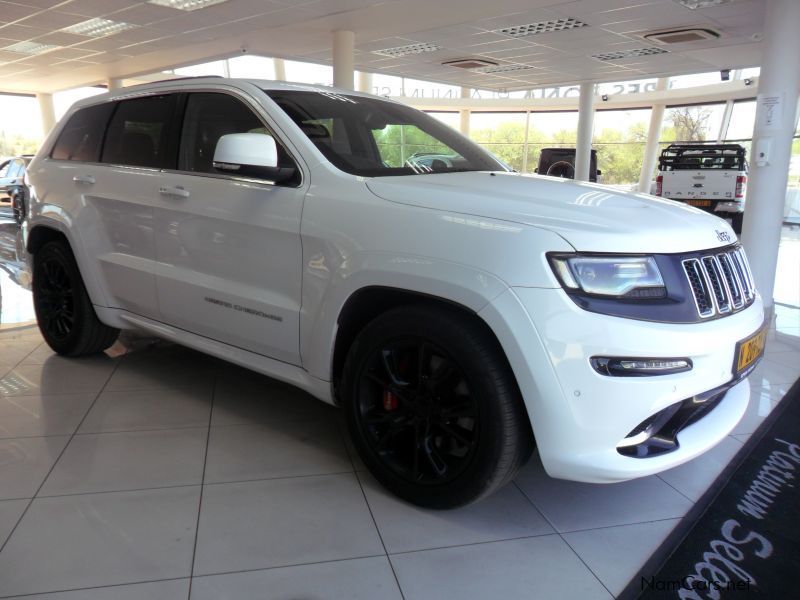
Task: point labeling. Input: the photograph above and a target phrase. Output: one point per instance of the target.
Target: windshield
(375, 138)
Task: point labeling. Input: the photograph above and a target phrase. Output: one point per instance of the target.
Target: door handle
(176, 191)
(87, 179)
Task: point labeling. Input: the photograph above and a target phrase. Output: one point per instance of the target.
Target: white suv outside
(455, 310)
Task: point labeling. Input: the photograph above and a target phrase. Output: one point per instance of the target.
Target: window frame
(103, 133)
(177, 135)
(175, 132)
(178, 139)
(167, 136)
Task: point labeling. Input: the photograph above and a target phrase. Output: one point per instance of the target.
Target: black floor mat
(742, 539)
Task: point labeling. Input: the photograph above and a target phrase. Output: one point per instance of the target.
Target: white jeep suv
(459, 313)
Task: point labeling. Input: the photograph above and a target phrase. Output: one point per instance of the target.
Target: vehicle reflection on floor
(15, 275)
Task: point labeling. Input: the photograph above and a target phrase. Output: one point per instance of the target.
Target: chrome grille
(721, 282)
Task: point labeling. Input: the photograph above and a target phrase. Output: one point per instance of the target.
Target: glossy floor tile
(572, 506)
(693, 478)
(357, 579)
(543, 567)
(92, 540)
(404, 527)
(176, 589)
(131, 460)
(613, 554)
(269, 450)
(282, 522)
(137, 474)
(169, 408)
(34, 416)
(25, 462)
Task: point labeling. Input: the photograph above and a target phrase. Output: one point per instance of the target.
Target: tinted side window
(138, 132)
(208, 117)
(82, 136)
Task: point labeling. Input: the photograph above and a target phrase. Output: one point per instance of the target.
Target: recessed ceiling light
(619, 55)
(502, 69)
(542, 27)
(31, 48)
(98, 27)
(695, 4)
(399, 51)
(187, 5)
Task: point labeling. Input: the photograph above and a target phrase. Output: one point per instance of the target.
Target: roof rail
(178, 78)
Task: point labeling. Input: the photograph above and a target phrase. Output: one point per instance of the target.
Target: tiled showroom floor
(160, 470)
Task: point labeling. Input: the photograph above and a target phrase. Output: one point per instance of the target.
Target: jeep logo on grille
(723, 236)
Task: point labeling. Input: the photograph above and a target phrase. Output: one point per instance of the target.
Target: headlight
(627, 277)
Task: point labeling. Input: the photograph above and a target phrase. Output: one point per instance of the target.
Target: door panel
(229, 258)
(122, 193)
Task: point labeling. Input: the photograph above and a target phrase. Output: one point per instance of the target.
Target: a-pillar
(464, 113)
(47, 112)
(653, 137)
(583, 149)
(771, 149)
(343, 71)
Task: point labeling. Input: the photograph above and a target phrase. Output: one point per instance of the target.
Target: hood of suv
(591, 217)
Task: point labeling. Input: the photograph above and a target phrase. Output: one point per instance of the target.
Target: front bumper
(581, 418)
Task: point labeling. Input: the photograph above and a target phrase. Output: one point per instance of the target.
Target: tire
(433, 408)
(64, 312)
(737, 219)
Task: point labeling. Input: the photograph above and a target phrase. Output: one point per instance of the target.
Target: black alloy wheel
(64, 311)
(417, 412)
(55, 299)
(433, 407)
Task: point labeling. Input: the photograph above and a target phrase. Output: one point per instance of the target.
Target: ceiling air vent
(470, 63)
(503, 69)
(681, 36)
(695, 4)
(399, 51)
(622, 54)
(542, 27)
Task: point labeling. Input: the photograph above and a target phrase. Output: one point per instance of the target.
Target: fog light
(640, 367)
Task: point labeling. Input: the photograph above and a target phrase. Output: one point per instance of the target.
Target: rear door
(121, 192)
(229, 258)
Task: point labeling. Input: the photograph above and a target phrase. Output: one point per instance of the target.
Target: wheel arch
(39, 235)
(367, 303)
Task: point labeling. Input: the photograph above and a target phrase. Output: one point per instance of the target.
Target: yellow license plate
(748, 351)
(699, 202)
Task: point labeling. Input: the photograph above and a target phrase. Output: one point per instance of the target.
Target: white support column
(47, 112)
(113, 83)
(653, 137)
(365, 82)
(525, 142)
(343, 45)
(464, 113)
(280, 69)
(583, 149)
(771, 151)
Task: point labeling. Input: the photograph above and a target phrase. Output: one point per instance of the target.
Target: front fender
(461, 284)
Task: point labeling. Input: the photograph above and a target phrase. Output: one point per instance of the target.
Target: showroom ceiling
(48, 45)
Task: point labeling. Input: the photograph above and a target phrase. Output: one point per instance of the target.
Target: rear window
(82, 136)
(138, 132)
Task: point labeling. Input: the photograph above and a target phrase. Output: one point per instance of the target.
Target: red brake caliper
(389, 401)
